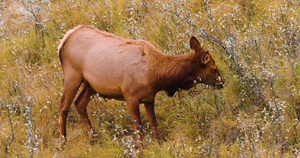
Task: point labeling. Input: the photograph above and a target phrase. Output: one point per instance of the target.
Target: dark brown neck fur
(172, 72)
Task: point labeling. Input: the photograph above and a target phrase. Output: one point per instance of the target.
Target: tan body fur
(130, 70)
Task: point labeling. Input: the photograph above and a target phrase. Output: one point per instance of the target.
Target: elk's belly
(111, 92)
(105, 85)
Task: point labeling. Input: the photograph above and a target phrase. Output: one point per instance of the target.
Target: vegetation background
(255, 44)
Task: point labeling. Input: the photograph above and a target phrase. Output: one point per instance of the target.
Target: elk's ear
(206, 58)
(195, 44)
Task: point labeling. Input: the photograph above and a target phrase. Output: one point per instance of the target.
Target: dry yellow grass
(255, 115)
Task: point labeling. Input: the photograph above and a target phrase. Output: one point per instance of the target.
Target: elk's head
(208, 71)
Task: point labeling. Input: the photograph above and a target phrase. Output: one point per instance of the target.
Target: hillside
(255, 43)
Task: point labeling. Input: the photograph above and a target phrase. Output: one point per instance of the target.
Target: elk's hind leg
(81, 104)
(71, 85)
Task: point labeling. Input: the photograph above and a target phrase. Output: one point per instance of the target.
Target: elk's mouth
(219, 85)
(189, 85)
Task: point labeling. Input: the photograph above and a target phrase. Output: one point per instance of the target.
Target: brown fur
(130, 70)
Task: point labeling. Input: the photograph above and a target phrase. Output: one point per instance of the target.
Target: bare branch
(8, 142)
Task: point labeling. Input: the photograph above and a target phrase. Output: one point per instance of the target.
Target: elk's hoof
(62, 145)
(93, 138)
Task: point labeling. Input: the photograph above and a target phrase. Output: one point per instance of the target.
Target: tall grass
(255, 44)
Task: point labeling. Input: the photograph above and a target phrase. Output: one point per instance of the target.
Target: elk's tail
(65, 40)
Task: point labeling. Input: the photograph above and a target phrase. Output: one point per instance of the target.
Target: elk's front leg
(151, 118)
(133, 105)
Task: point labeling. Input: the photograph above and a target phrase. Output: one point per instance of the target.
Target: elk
(129, 70)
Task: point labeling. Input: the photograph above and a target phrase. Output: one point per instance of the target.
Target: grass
(255, 43)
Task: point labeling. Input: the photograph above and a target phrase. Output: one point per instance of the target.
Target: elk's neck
(173, 72)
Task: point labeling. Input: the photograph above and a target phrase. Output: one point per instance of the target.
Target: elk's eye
(214, 70)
